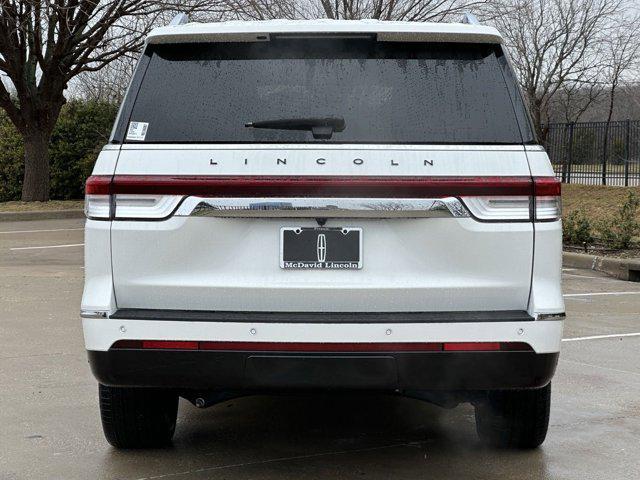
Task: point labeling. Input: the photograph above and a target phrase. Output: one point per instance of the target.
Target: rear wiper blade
(321, 128)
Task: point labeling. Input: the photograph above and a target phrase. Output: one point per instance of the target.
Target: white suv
(314, 205)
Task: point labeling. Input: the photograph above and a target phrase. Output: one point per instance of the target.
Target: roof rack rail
(470, 18)
(180, 19)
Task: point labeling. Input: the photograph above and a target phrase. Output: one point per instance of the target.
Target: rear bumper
(256, 371)
(542, 335)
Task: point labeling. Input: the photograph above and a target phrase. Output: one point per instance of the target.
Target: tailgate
(416, 261)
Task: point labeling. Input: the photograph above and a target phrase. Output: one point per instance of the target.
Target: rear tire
(514, 418)
(138, 417)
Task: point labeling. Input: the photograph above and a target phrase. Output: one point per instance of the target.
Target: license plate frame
(302, 249)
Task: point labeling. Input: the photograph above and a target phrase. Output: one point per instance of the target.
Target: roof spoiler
(469, 31)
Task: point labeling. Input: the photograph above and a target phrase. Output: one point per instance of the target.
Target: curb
(40, 215)
(623, 268)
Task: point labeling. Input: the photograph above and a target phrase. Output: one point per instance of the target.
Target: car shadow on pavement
(325, 436)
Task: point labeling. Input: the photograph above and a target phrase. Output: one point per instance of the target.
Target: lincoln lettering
(323, 161)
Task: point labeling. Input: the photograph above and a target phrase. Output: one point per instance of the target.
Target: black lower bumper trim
(211, 370)
(322, 317)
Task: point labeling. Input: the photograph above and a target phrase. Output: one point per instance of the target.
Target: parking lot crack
(280, 459)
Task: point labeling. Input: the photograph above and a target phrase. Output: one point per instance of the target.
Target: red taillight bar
(321, 347)
(98, 185)
(310, 186)
(250, 186)
(547, 187)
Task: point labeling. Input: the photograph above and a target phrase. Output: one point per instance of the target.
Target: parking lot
(51, 427)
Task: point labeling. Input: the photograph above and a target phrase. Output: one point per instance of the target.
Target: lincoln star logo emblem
(321, 247)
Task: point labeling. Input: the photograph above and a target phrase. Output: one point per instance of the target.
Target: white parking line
(48, 246)
(602, 367)
(585, 276)
(599, 293)
(597, 337)
(39, 231)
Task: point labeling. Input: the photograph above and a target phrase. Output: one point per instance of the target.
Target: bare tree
(622, 49)
(573, 99)
(622, 55)
(46, 43)
(555, 43)
(410, 10)
(631, 97)
(106, 85)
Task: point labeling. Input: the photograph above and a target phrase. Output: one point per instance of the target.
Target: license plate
(321, 248)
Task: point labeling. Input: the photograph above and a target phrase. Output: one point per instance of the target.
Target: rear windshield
(386, 92)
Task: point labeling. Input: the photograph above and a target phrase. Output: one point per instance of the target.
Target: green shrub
(82, 129)
(11, 160)
(577, 229)
(619, 231)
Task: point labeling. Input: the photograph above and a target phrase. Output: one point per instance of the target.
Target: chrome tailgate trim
(299, 207)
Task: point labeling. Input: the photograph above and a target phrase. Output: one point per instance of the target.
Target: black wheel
(514, 418)
(137, 417)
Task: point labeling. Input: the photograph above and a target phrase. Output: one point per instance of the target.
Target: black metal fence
(595, 153)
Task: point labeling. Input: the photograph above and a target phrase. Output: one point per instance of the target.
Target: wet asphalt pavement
(50, 426)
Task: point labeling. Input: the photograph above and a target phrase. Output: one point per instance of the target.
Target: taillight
(154, 197)
(103, 202)
(97, 198)
(151, 207)
(539, 201)
(514, 208)
(316, 186)
(548, 200)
